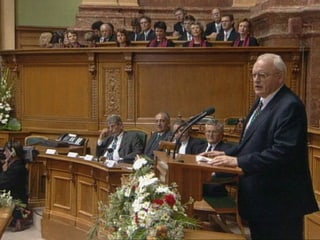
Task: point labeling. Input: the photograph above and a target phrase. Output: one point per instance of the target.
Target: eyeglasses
(262, 76)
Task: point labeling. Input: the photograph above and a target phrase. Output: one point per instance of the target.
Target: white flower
(139, 163)
(162, 189)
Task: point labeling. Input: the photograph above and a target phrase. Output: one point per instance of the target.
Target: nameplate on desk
(51, 151)
(88, 157)
(110, 163)
(73, 154)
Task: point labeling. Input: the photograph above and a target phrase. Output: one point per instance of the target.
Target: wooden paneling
(73, 90)
(6, 136)
(74, 188)
(312, 226)
(28, 37)
(314, 159)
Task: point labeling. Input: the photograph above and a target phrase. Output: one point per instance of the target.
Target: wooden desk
(5, 218)
(6, 136)
(73, 189)
(189, 174)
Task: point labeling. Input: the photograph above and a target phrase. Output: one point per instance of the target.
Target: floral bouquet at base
(145, 208)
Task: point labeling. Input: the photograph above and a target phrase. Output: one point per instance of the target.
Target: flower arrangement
(144, 208)
(5, 199)
(6, 121)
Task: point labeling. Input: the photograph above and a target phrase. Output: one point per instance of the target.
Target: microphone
(194, 119)
(208, 111)
(191, 122)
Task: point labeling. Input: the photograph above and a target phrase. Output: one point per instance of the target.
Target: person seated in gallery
(123, 38)
(214, 131)
(161, 39)
(187, 22)
(72, 40)
(147, 33)
(114, 143)
(162, 133)
(229, 33)
(187, 144)
(58, 39)
(45, 39)
(14, 178)
(245, 39)
(95, 27)
(136, 29)
(214, 27)
(178, 27)
(107, 33)
(198, 39)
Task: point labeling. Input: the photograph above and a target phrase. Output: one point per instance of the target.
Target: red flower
(158, 201)
(170, 199)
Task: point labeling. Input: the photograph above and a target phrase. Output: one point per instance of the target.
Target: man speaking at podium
(275, 191)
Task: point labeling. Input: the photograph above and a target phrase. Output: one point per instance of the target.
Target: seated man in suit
(107, 33)
(187, 143)
(147, 33)
(116, 144)
(229, 33)
(162, 133)
(214, 130)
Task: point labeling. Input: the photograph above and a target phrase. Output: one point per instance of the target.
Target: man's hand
(212, 153)
(104, 133)
(225, 161)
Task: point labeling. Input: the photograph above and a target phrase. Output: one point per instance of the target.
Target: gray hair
(277, 62)
(114, 119)
(219, 125)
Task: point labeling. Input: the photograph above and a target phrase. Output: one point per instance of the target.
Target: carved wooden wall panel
(74, 91)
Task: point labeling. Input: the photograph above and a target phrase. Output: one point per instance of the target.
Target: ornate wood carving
(112, 90)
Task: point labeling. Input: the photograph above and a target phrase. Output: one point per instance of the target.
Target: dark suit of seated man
(214, 130)
(116, 144)
(187, 144)
(162, 133)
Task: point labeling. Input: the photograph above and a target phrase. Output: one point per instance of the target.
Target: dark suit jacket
(179, 28)
(151, 35)
(184, 36)
(232, 37)
(153, 143)
(221, 146)
(193, 145)
(130, 146)
(274, 157)
(15, 179)
(112, 38)
(210, 28)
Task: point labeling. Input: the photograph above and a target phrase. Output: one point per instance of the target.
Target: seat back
(34, 140)
(143, 136)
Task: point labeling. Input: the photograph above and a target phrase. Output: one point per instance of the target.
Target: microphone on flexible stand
(193, 120)
(190, 123)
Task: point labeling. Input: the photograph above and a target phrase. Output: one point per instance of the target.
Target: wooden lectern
(187, 173)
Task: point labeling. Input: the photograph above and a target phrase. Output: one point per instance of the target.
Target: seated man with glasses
(147, 33)
(116, 144)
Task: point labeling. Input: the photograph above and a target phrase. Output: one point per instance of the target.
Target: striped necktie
(253, 117)
(256, 112)
(113, 146)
